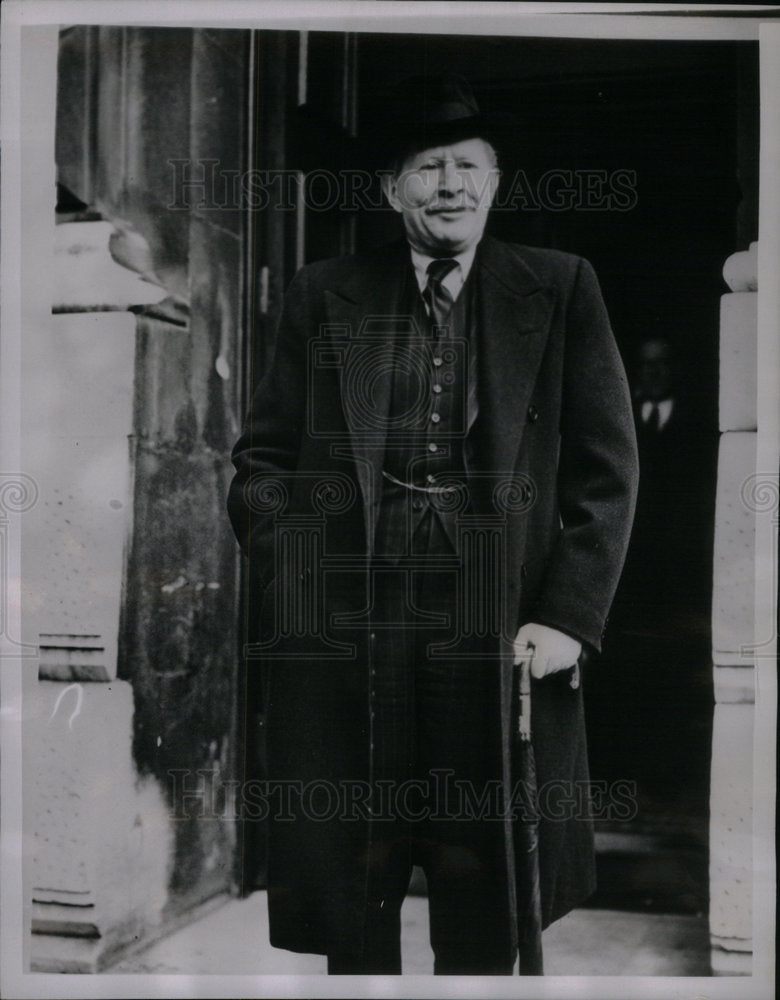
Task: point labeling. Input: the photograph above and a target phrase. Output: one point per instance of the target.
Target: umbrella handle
(524, 697)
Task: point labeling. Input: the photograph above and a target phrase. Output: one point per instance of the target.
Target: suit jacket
(554, 458)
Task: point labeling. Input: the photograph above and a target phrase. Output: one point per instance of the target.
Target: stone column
(733, 631)
(101, 839)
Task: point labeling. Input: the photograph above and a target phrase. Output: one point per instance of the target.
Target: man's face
(444, 194)
(654, 370)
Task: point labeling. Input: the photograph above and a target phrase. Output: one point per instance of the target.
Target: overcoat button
(533, 414)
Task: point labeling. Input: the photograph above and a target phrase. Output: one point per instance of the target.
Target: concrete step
(234, 939)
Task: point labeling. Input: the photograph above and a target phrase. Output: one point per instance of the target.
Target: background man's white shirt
(664, 411)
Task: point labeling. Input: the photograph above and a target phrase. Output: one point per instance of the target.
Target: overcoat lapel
(363, 311)
(514, 321)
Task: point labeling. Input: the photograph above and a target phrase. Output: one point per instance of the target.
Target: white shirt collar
(455, 280)
(664, 410)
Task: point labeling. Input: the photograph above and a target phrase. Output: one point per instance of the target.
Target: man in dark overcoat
(436, 478)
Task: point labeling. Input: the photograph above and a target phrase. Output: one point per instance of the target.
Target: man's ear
(389, 182)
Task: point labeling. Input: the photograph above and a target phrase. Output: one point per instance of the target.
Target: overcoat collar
(514, 318)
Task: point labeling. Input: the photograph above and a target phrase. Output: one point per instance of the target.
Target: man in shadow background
(650, 703)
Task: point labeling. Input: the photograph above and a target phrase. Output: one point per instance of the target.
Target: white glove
(552, 650)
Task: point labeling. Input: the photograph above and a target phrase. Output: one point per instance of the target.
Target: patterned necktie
(437, 298)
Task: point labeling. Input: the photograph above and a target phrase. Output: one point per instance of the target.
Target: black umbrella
(526, 831)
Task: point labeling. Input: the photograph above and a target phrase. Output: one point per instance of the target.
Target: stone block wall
(131, 612)
(78, 376)
(131, 397)
(102, 839)
(95, 824)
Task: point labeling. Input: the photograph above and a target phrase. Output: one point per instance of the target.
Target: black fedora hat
(417, 113)
(420, 112)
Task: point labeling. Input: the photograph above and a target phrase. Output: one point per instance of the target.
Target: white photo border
(25, 168)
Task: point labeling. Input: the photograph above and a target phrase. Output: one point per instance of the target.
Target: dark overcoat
(555, 417)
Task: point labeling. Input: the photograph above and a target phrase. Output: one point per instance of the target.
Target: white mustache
(436, 209)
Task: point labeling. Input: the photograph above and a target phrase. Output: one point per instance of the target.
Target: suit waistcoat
(433, 405)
